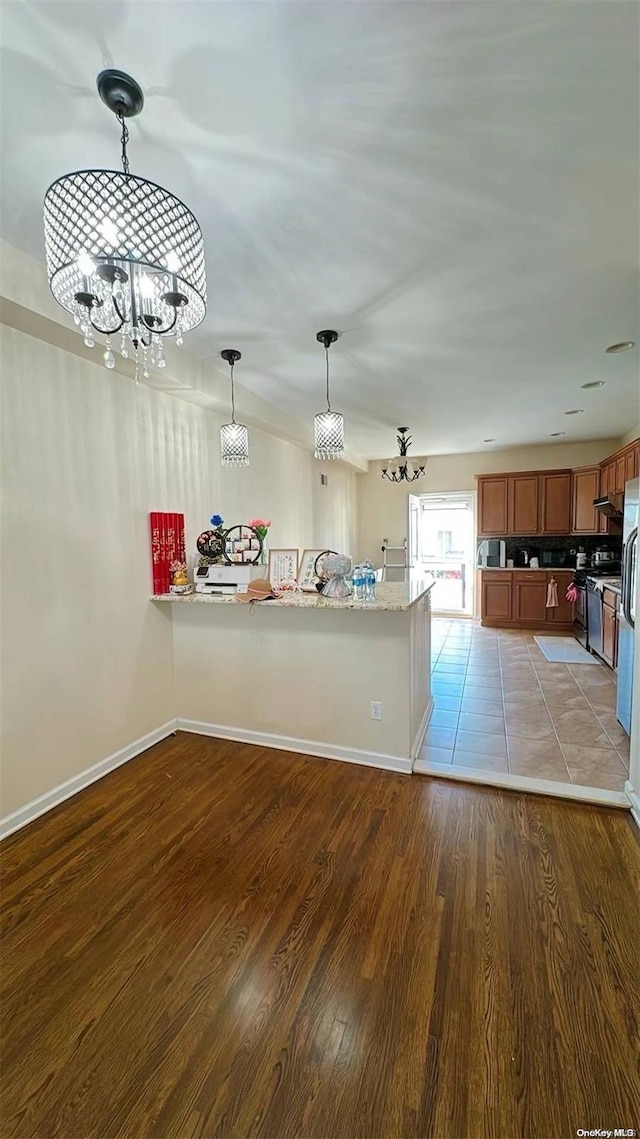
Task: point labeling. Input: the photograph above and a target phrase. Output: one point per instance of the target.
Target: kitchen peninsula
(304, 673)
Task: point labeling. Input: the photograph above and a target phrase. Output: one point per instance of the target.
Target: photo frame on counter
(283, 565)
(307, 576)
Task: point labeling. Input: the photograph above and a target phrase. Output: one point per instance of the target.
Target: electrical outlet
(376, 710)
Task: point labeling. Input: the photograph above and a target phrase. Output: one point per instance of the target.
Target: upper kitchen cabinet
(524, 503)
(523, 499)
(555, 502)
(492, 506)
(585, 518)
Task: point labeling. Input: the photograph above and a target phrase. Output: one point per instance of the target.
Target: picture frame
(283, 565)
(307, 576)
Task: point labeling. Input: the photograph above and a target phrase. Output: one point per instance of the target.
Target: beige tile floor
(501, 706)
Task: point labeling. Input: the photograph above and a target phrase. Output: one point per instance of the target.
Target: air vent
(324, 480)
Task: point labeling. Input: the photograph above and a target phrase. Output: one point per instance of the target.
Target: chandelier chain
(233, 397)
(326, 352)
(124, 138)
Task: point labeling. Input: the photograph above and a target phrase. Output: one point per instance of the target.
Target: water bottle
(357, 581)
(369, 581)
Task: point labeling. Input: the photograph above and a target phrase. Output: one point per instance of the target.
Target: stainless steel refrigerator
(627, 614)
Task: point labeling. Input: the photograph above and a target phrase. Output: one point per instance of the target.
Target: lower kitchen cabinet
(518, 599)
(610, 628)
(563, 612)
(496, 597)
(530, 598)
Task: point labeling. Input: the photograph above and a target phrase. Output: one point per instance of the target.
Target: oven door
(594, 618)
(580, 617)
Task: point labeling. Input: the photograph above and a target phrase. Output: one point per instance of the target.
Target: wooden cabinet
(523, 497)
(620, 474)
(609, 635)
(631, 464)
(524, 504)
(562, 613)
(496, 596)
(585, 519)
(555, 502)
(530, 597)
(493, 519)
(518, 599)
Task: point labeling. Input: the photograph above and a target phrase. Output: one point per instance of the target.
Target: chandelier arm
(160, 331)
(106, 331)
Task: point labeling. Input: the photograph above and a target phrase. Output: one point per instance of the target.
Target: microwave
(492, 553)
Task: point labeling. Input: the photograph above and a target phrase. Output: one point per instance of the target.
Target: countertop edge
(307, 601)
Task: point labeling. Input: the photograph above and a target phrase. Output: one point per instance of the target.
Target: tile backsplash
(566, 548)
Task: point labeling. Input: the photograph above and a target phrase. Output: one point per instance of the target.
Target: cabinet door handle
(628, 584)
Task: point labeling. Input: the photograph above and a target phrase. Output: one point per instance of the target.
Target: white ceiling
(453, 186)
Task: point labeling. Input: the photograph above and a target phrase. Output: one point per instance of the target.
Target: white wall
(382, 505)
(86, 658)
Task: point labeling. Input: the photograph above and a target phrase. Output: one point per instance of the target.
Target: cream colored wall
(86, 657)
(630, 436)
(382, 506)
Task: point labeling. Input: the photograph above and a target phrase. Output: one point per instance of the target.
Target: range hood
(610, 505)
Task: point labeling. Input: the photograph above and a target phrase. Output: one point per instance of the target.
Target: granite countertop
(390, 596)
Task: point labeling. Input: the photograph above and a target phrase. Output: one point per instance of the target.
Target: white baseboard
(397, 763)
(70, 787)
(634, 802)
(523, 783)
(420, 734)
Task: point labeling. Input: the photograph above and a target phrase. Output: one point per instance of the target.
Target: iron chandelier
(124, 256)
(401, 469)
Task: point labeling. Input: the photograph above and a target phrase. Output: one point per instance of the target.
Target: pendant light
(234, 437)
(328, 425)
(400, 468)
(124, 256)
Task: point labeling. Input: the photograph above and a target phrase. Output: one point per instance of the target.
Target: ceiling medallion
(328, 425)
(234, 437)
(123, 254)
(400, 468)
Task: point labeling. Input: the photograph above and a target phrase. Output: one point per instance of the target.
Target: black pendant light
(328, 425)
(234, 437)
(400, 468)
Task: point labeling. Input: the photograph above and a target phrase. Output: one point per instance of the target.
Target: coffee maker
(524, 554)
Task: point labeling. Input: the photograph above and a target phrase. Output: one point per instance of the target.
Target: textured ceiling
(453, 186)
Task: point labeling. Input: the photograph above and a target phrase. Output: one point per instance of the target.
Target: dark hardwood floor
(221, 940)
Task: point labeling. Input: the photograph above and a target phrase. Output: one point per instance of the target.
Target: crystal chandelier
(234, 437)
(124, 256)
(401, 469)
(328, 425)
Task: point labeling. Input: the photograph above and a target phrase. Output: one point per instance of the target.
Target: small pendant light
(234, 437)
(328, 425)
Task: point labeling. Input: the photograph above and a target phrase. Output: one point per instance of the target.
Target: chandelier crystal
(400, 468)
(234, 437)
(124, 256)
(328, 425)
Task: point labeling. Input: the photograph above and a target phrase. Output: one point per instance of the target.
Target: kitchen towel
(552, 594)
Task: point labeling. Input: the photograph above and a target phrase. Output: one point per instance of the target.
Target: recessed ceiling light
(594, 384)
(555, 434)
(621, 346)
(575, 411)
(488, 440)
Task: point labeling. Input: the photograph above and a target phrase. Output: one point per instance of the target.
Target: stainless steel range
(587, 624)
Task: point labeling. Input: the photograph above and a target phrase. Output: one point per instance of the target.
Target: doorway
(443, 548)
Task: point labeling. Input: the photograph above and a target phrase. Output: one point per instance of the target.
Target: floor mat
(564, 650)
